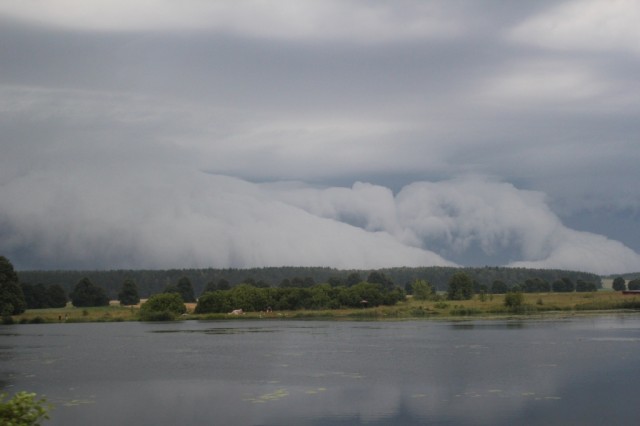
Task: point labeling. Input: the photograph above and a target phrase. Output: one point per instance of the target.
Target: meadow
(480, 306)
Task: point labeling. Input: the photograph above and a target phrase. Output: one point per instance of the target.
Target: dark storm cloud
(138, 99)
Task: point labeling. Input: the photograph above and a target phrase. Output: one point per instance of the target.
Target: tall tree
(86, 294)
(56, 296)
(185, 290)
(569, 286)
(128, 294)
(11, 297)
(460, 287)
(40, 296)
(564, 285)
(584, 286)
(422, 290)
(535, 285)
(619, 284)
(634, 284)
(222, 284)
(35, 296)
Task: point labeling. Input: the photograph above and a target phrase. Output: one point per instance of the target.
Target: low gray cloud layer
(347, 134)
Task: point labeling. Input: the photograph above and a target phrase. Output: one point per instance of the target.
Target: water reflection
(298, 405)
(506, 325)
(509, 325)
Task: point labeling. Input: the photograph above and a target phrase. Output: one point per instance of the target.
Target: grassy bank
(488, 307)
(72, 314)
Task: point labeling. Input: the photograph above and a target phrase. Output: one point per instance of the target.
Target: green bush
(513, 300)
(159, 316)
(214, 302)
(460, 287)
(162, 307)
(23, 409)
(422, 290)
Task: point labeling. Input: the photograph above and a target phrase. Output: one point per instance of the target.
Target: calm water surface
(583, 371)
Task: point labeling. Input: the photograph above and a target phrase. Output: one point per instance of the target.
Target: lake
(578, 371)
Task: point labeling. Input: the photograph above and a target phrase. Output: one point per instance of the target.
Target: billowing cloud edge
(177, 217)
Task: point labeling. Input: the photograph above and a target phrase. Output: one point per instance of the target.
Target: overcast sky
(352, 134)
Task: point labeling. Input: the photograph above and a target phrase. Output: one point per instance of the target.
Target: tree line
(351, 289)
(620, 284)
(317, 297)
(150, 282)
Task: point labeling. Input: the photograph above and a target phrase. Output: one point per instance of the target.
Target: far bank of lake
(487, 306)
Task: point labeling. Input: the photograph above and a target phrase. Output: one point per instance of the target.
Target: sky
(350, 134)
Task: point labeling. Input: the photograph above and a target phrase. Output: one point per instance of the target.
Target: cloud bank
(132, 218)
(178, 218)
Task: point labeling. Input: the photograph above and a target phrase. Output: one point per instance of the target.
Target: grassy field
(490, 306)
(72, 314)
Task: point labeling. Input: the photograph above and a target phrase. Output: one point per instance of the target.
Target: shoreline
(488, 307)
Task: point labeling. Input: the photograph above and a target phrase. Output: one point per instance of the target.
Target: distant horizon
(318, 267)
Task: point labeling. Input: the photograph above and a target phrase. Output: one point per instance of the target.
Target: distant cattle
(237, 312)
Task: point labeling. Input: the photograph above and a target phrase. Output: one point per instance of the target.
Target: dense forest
(156, 281)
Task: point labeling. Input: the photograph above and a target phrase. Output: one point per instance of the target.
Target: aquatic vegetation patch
(315, 391)
(270, 396)
(77, 402)
(222, 330)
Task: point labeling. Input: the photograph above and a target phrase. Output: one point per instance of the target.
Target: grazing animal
(237, 312)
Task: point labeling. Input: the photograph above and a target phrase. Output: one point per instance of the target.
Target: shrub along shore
(479, 307)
